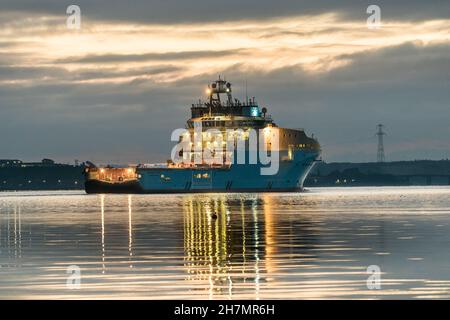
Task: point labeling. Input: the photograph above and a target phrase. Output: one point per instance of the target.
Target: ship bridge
(222, 110)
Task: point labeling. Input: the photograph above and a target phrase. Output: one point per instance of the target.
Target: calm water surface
(316, 244)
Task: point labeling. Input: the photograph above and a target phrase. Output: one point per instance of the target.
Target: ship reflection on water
(238, 250)
(213, 247)
(236, 246)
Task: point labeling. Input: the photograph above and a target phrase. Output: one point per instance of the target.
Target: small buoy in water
(214, 215)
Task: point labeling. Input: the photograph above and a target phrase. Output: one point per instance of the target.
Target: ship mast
(219, 87)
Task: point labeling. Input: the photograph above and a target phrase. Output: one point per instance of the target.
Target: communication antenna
(380, 150)
(246, 93)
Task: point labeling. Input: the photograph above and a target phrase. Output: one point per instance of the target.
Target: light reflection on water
(316, 244)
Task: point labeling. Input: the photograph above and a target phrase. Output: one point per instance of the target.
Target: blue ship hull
(236, 178)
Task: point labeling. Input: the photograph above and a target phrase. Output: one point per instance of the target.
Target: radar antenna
(216, 88)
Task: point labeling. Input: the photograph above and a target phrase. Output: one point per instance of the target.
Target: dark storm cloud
(18, 73)
(167, 56)
(412, 60)
(134, 72)
(405, 87)
(201, 11)
(61, 74)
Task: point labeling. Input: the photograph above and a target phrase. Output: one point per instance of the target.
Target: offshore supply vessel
(239, 124)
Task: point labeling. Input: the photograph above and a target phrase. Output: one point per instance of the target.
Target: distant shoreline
(396, 173)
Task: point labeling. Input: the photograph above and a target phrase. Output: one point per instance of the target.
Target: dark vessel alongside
(16, 175)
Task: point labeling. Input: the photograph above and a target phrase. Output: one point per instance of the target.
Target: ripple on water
(316, 244)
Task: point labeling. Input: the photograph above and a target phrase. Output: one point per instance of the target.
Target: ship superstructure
(213, 161)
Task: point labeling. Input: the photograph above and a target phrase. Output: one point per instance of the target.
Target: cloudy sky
(114, 90)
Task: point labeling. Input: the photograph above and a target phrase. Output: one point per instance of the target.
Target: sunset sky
(114, 90)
